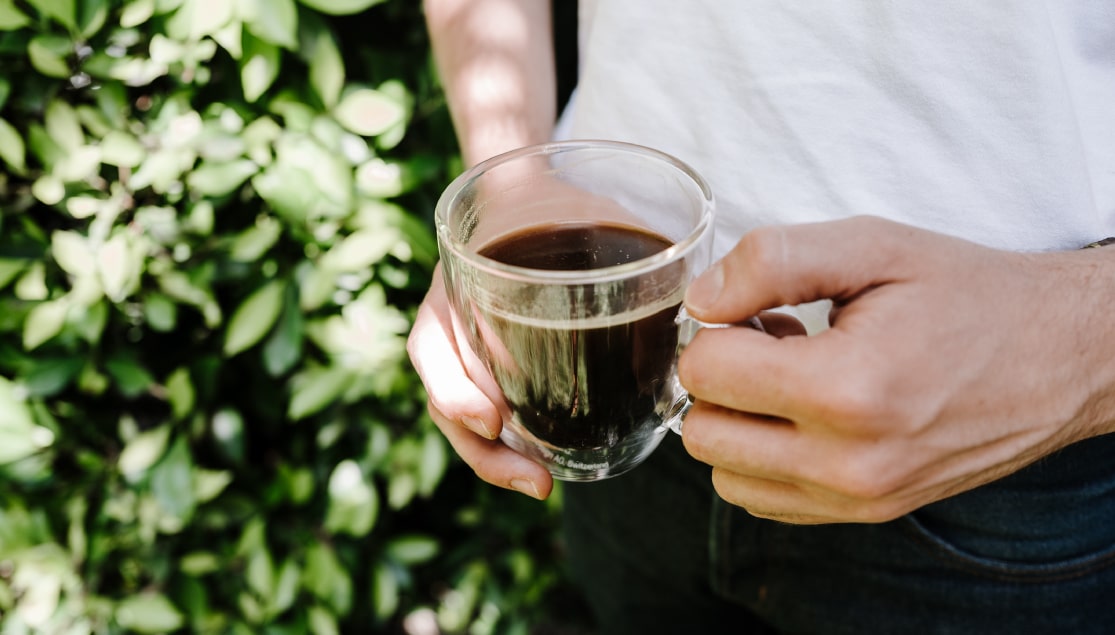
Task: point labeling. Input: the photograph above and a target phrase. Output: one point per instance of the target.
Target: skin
(948, 364)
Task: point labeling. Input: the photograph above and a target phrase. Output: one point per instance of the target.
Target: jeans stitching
(955, 557)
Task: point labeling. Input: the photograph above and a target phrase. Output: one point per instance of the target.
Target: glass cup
(565, 265)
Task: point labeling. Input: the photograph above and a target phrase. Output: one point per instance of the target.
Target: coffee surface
(570, 385)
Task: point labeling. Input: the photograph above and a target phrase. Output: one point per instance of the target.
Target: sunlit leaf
(136, 13)
(353, 502)
(254, 317)
(340, 7)
(19, 436)
(322, 622)
(316, 388)
(12, 150)
(196, 19)
(148, 613)
(369, 112)
(412, 549)
(274, 21)
(259, 67)
(122, 149)
(254, 242)
(64, 11)
(359, 250)
(142, 451)
(72, 253)
(11, 18)
(48, 55)
(327, 69)
(44, 322)
(221, 179)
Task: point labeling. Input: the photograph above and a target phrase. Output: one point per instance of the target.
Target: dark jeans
(656, 551)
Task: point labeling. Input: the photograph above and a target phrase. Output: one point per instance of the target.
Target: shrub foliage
(213, 234)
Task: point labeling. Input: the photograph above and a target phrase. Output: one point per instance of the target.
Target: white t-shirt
(991, 120)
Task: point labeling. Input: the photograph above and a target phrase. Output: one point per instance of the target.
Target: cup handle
(687, 330)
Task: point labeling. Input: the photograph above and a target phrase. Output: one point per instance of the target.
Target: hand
(948, 365)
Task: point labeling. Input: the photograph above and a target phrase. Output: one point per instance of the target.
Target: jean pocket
(1052, 520)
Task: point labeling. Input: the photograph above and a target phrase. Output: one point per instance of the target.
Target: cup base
(588, 464)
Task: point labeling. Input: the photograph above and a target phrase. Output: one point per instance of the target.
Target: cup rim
(587, 276)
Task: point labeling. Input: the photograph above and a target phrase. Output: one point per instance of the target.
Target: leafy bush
(214, 232)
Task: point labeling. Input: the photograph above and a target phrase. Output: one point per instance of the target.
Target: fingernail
(478, 426)
(524, 486)
(704, 291)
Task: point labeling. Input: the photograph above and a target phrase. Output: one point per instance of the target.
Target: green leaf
(359, 250)
(120, 266)
(131, 379)
(44, 322)
(19, 436)
(340, 7)
(72, 253)
(137, 12)
(63, 11)
(322, 622)
(221, 179)
(353, 502)
(254, 242)
(172, 482)
(286, 588)
(369, 112)
(93, 15)
(63, 125)
(160, 312)
(254, 318)
(11, 19)
(412, 549)
(122, 150)
(316, 388)
(49, 376)
(180, 393)
(148, 613)
(196, 19)
(48, 55)
(49, 189)
(259, 67)
(284, 348)
(12, 150)
(327, 69)
(327, 578)
(385, 591)
(274, 21)
(143, 451)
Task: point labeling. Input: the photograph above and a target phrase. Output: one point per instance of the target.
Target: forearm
(495, 59)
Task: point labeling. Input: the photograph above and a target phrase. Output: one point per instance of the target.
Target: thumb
(792, 264)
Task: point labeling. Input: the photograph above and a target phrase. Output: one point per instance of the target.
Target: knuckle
(764, 249)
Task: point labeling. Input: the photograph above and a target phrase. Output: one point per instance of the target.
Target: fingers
(438, 360)
(788, 265)
(464, 413)
(494, 462)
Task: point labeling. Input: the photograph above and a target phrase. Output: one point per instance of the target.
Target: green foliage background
(214, 231)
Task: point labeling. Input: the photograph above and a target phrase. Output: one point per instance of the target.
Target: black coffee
(577, 384)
